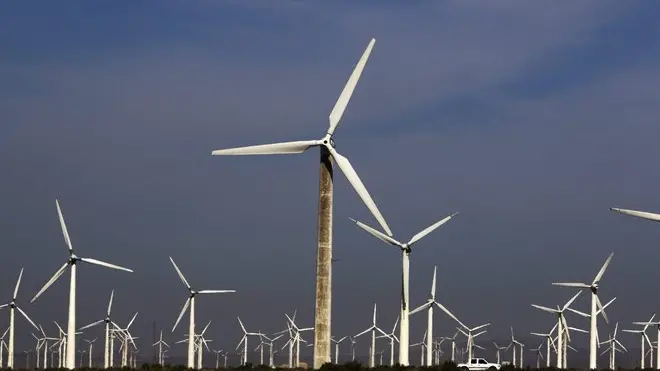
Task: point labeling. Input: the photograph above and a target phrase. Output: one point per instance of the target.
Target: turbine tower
(71, 263)
(324, 248)
(406, 248)
(595, 306)
(191, 302)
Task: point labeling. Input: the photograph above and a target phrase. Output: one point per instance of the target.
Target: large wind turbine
(324, 249)
(71, 263)
(191, 302)
(12, 305)
(107, 321)
(595, 307)
(406, 248)
(429, 319)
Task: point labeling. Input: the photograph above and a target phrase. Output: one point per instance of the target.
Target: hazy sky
(530, 119)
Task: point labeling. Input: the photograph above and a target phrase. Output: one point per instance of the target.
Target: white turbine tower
(72, 263)
(191, 302)
(324, 248)
(12, 307)
(406, 249)
(429, 318)
(613, 347)
(595, 306)
(497, 350)
(373, 328)
(107, 321)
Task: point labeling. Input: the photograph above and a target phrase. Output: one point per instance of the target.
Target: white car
(478, 364)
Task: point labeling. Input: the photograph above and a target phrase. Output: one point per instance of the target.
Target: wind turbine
(72, 263)
(12, 306)
(324, 249)
(337, 342)
(126, 336)
(3, 345)
(107, 321)
(595, 306)
(42, 342)
(497, 350)
(373, 328)
(91, 343)
(453, 345)
(406, 249)
(297, 339)
(657, 324)
(470, 336)
(160, 344)
(270, 342)
(539, 356)
(392, 339)
(429, 318)
(244, 340)
(613, 343)
(561, 325)
(548, 342)
(644, 337)
(191, 302)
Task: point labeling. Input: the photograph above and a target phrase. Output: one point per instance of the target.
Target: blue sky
(531, 119)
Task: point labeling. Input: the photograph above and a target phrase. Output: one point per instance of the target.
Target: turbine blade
(430, 229)
(572, 284)
(284, 148)
(214, 291)
(51, 281)
(27, 318)
(183, 310)
(131, 322)
(241, 323)
(359, 187)
(433, 283)
(345, 96)
(546, 309)
(420, 308)
(568, 303)
(450, 314)
(481, 326)
(602, 269)
(380, 235)
(565, 325)
(601, 309)
(65, 232)
(363, 332)
(112, 294)
(205, 328)
(91, 325)
(639, 214)
(18, 283)
(578, 312)
(178, 271)
(104, 264)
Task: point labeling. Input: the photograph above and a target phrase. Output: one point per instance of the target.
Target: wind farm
(524, 229)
